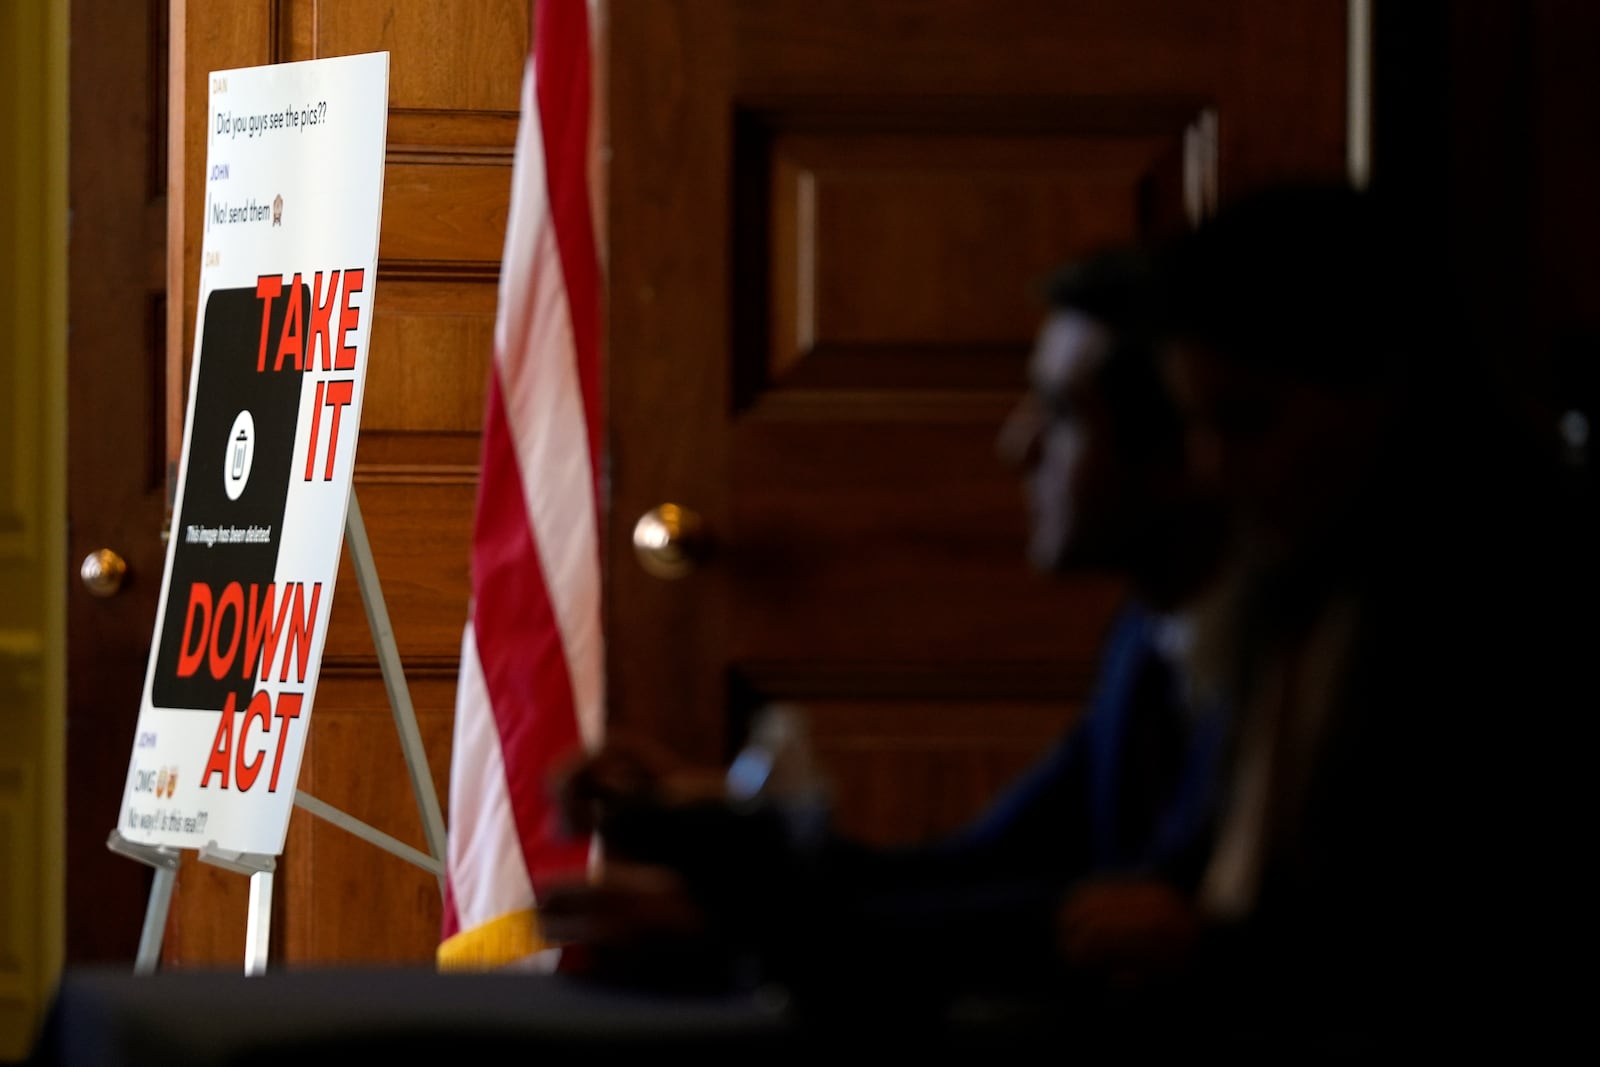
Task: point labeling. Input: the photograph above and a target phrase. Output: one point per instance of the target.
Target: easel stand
(261, 868)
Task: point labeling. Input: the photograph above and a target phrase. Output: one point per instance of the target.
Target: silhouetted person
(1397, 835)
(1119, 810)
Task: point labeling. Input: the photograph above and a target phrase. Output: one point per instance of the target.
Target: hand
(626, 904)
(627, 772)
(634, 924)
(1129, 933)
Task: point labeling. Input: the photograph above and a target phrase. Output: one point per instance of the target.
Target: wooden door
(116, 457)
(825, 220)
(454, 84)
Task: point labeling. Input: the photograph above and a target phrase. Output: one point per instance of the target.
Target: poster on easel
(294, 192)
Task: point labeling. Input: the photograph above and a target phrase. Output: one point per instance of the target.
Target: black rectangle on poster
(240, 459)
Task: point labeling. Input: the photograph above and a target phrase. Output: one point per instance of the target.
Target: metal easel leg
(371, 834)
(258, 927)
(165, 863)
(155, 921)
(394, 680)
(258, 923)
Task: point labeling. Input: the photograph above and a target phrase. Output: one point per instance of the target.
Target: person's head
(1097, 437)
(1294, 326)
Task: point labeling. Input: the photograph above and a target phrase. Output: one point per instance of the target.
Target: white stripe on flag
(544, 408)
(487, 875)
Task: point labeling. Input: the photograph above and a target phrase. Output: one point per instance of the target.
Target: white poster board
(294, 192)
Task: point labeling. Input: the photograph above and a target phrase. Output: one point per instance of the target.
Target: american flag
(531, 688)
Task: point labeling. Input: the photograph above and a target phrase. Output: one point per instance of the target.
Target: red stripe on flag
(562, 62)
(450, 921)
(519, 646)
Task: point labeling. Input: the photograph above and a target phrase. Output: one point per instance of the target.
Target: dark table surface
(190, 1018)
(201, 1018)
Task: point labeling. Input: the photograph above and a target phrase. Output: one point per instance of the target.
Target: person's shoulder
(1137, 630)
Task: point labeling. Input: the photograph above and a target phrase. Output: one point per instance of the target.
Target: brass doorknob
(102, 572)
(670, 541)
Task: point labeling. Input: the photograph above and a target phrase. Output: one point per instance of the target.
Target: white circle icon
(241, 451)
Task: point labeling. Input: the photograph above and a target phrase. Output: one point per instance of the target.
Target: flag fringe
(493, 945)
